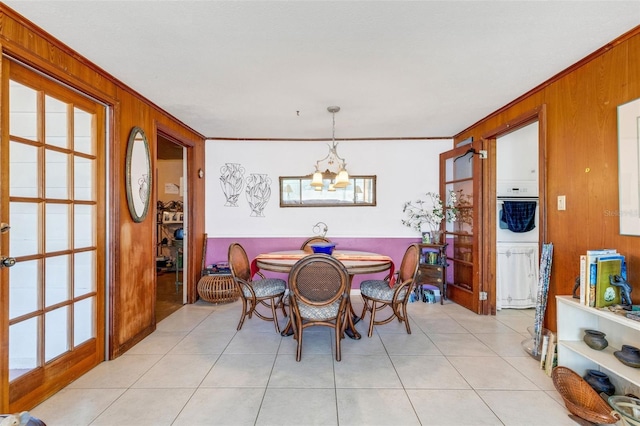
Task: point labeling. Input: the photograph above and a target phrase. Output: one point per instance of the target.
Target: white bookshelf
(573, 318)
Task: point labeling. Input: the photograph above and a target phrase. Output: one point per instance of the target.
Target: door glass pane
(56, 280)
(23, 170)
(459, 168)
(83, 321)
(82, 131)
(83, 222)
(22, 116)
(56, 175)
(55, 119)
(23, 238)
(57, 222)
(83, 170)
(56, 336)
(84, 268)
(23, 347)
(23, 288)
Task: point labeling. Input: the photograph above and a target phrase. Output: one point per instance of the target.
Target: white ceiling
(269, 69)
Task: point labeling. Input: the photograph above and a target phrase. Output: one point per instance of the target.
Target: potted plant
(430, 213)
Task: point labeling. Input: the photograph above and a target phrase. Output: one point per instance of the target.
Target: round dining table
(355, 262)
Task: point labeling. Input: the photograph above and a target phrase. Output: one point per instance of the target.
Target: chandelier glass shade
(335, 167)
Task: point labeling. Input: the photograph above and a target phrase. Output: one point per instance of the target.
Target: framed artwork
(628, 167)
(138, 174)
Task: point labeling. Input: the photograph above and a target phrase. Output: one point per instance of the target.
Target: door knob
(4, 227)
(7, 262)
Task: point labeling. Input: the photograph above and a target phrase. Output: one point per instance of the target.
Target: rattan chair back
(306, 246)
(239, 262)
(318, 280)
(410, 262)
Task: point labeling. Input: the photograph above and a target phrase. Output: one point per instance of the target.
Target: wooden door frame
(489, 238)
(191, 268)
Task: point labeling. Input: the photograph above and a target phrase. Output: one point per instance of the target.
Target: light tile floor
(456, 368)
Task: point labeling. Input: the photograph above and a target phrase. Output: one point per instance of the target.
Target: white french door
(52, 207)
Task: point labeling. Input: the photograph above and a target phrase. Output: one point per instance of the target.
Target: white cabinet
(573, 318)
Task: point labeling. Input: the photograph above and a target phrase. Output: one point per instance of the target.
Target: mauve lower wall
(392, 247)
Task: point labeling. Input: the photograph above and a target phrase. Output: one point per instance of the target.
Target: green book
(606, 294)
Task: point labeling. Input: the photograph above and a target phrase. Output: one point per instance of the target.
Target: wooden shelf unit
(432, 273)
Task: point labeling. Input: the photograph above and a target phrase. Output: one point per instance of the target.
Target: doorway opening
(517, 152)
(171, 217)
(518, 218)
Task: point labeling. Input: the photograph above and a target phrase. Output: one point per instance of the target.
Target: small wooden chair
(265, 291)
(318, 296)
(377, 294)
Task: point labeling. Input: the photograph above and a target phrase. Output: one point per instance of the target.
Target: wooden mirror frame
(138, 176)
(360, 193)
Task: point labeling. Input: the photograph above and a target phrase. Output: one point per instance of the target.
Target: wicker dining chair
(377, 294)
(264, 291)
(306, 246)
(319, 295)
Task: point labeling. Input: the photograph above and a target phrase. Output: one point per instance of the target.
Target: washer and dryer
(517, 238)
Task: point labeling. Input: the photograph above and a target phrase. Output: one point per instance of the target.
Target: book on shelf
(583, 279)
(607, 266)
(591, 275)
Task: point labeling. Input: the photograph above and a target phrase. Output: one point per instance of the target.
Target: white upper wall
(405, 170)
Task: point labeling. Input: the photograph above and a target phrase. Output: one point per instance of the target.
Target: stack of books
(596, 269)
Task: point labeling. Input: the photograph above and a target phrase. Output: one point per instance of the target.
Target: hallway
(168, 298)
(456, 368)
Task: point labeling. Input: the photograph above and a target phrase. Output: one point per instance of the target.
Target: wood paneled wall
(581, 158)
(132, 251)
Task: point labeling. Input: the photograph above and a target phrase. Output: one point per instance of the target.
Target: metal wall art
(258, 193)
(231, 181)
(138, 177)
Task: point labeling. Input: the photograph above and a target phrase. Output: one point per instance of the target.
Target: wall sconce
(335, 167)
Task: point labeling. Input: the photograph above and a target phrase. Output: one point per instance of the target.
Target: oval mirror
(138, 174)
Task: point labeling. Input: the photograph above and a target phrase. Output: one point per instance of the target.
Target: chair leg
(406, 318)
(300, 332)
(275, 317)
(373, 317)
(282, 305)
(243, 315)
(364, 308)
(338, 339)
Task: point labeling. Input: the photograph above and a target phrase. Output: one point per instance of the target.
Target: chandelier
(335, 167)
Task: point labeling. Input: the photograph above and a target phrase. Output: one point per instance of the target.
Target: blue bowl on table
(323, 248)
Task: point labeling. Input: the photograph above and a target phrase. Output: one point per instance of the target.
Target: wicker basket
(217, 288)
(580, 398)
